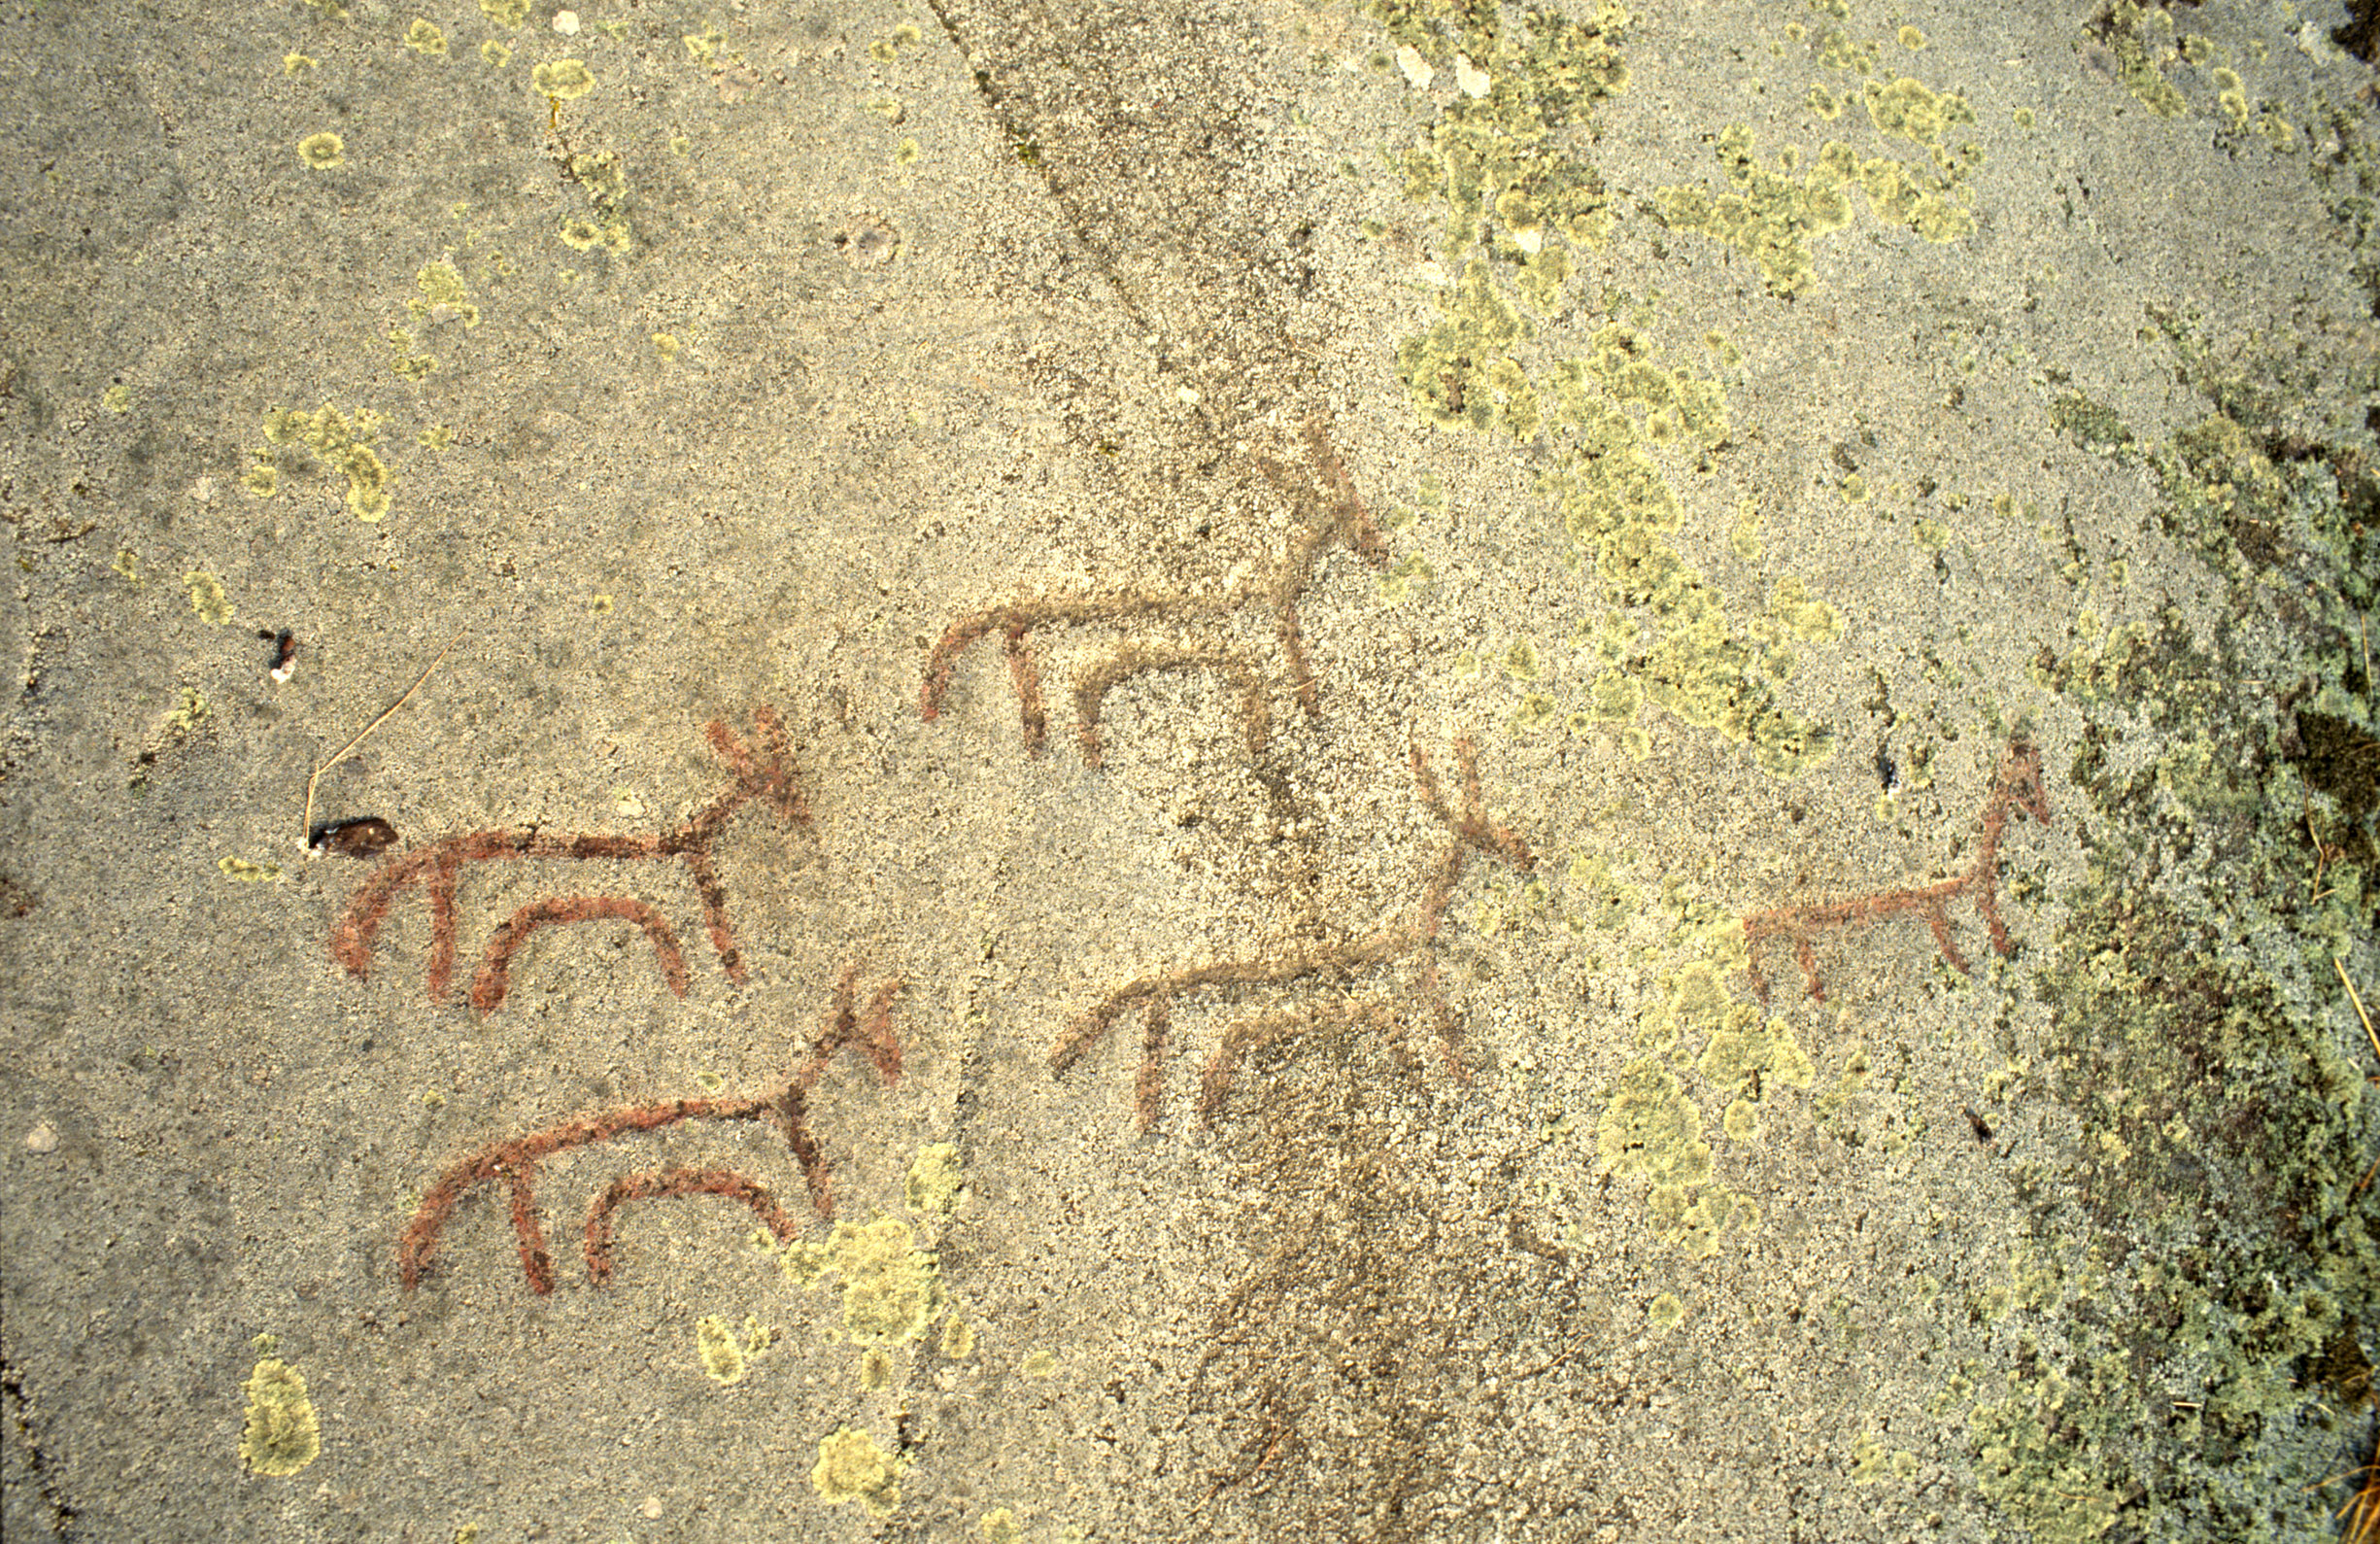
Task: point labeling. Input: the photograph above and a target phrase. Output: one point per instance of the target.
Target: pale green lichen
(341, 443)
(282, 1434)
(727, 1350)
(208, 597)
(1665, 1311)
(425, 38)
(443, 294)
(563, 79)
(245, 872)
(892, 1289)
(851, 1467)
(322, 152)
(935, 1182)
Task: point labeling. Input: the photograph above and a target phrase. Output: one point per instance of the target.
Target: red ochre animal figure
(764, 770)
(1153, 996)
(1154, 621)
(513, 1164)
(2015, 786)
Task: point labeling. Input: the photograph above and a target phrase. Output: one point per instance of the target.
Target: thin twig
(2356, 997)
(348, 749)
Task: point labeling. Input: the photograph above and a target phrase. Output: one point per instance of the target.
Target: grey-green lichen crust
(2199, 1341)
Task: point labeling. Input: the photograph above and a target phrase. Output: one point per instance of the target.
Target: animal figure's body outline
(2015, 785)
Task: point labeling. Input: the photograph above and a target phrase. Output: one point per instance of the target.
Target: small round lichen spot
(958, 1339)
(504, 13)
(283, 1434)
(851, 1467)
(1041, 1365)
(423, 38)
(1000, 1526)
(936, 1181)
(1665, 1312)
(207, 597)
(563, 79)
(666, 346)
(1650, 1128)
(1742, 1122)
(322, 150)
(367, 483)
(494, 54)
(891, 1288)
(1911, 39)
(875, 1371)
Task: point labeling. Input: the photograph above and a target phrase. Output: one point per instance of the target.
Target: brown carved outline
(2014, 786)
(765, 771)
(1154, 995)
(493, 978)
(1337, 518)
(514, 1163)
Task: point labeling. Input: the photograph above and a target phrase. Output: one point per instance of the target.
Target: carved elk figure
(1179, 631)
(2015, 788)
(513, 1164)
(763, 771)
(1469, 831)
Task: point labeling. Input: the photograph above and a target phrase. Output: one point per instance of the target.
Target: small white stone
(43, 1138)
(1473, 81)
(565, 22)
(1416, 68)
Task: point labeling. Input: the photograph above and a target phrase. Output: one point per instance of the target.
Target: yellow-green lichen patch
(208, 598)
(1665, 1311)
(322, 150)
(494, 54)
(444, 295)
(1594, 897)
(1040, 1363)
(504, 13)
(1000, 1526)
(563, 79)
(245, 872)
(328, 433)
(727, 1350)
(298, 63)
(1814, 621)
(875, 1370)
(1748, 1056)
(958, 1339)
(1649, 1128)
(935, 1182)
(127, 566)
(186, 719)
(282, 1434)
(1461, 370)
(851, 1467)
(425, 38)
(1908, 109)
(117, 398)
(892, 1289)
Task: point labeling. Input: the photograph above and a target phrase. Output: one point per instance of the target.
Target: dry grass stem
(306, 830)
